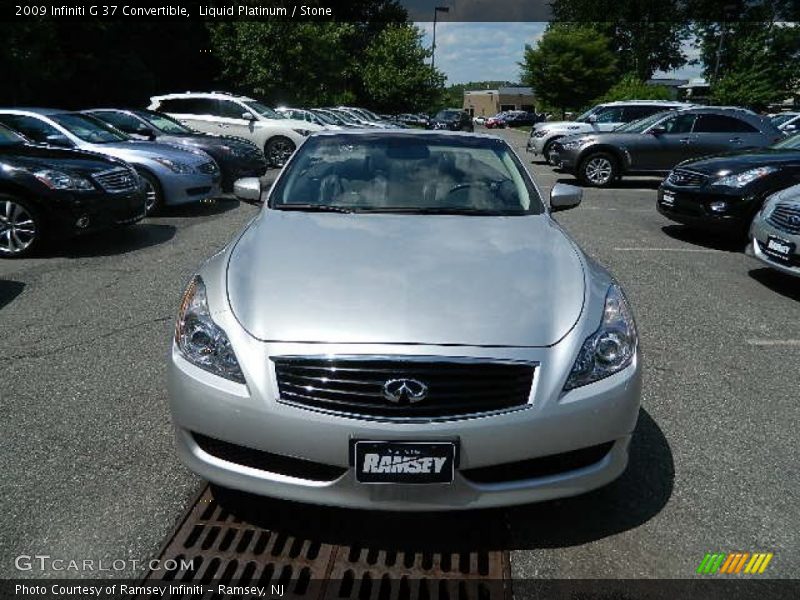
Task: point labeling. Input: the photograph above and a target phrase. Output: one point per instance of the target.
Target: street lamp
(436, 11)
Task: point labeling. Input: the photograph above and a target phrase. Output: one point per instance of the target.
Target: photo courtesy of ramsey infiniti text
(404, 326)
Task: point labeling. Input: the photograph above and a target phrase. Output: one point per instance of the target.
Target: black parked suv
(724, 192)
(235, 156)
(50, 193)
(453, 119)
(657, 143)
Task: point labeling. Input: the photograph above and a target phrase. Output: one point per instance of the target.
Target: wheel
(154, 196)
(20, 227)
(278, 150)
(548, 148)
(598, 170)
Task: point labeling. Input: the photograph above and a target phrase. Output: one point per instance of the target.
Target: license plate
(405, 462)
(668, 199)
(779, 249)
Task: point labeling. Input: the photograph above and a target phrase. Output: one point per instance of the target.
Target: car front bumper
(760, 232)
(69, 214)
(602, 414)
(692, 207)
(182, 189)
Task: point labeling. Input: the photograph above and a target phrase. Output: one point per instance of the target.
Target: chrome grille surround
(686, 178)
(117, 180)
(352, 385)
(786, 217)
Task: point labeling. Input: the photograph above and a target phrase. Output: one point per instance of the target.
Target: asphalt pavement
(89, 471)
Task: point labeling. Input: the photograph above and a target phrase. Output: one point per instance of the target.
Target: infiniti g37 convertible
(404, 311)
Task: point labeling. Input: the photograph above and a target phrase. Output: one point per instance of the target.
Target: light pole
(436, 11)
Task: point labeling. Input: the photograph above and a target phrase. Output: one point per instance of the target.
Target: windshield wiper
(439, 211)
(313, 208)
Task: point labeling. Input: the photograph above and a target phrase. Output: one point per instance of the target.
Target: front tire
(154, 196)
(548, 148)
(278, 150)
(598, 169)
(20, 227)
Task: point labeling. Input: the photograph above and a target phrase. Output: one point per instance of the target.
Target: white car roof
(213, 95)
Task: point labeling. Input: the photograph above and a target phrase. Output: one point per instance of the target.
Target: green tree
(645, 36)
(631, 88)
(571, 66)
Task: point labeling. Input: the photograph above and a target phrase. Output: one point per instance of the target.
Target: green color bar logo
(738, 562)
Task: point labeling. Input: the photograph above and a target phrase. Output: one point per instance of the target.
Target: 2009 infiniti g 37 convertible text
(404, 311)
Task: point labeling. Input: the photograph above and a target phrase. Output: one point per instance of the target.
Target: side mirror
(247, 189)
(591, 119)
(248, 116)
(792, 127)
(59, 140)
(658, 130)
(564, 197)
(146, 132)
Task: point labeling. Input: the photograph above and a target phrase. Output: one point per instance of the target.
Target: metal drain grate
(213, 546)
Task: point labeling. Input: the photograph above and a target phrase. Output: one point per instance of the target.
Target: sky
(468, 51)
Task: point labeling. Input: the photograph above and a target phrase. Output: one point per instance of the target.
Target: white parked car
(301, 114)
(227, 114)
(603, 117)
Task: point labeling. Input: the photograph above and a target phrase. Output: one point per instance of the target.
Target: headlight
(540, 133)
(571, 145)
(58, 180)
(201, 341)
(175, 166)
(303, 132)
(609, 349)
(742, 179)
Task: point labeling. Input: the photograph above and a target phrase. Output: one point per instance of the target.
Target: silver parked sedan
(405, 327)
(775, 232)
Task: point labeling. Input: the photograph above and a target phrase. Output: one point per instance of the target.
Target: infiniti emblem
(794, 220)
(404, 391)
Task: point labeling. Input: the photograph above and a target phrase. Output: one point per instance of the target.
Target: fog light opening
(718, 206)
(82, 222)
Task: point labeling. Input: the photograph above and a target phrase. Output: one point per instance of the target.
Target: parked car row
(727, 169)
(510, 118)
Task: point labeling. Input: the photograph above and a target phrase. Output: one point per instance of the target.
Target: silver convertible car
(405, 327)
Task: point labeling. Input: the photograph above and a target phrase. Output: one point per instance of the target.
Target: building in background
(673, 85)
(487, 103)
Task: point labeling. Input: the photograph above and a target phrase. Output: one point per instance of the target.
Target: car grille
(354, 386)
(785, 217)
(686, 178)
(117, 180)
(209, 168)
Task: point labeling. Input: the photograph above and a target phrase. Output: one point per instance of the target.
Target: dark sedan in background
(52, 193)
(655, 144)
(236, 157)
(451, 119)
(725, 192)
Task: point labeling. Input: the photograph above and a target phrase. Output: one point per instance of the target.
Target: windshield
(370, 114)
(447, 115)
(642, 124)
(264, 111)
(325, 118)
(89, 129)
(9, 138)
(789, 143)
(779, 119)
(163, 122)
(344, 116)
(406, 174)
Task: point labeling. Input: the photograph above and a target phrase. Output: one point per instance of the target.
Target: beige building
(487, 103)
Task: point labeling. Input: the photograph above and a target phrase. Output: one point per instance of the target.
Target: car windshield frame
(536, 205)
(152, 118)
(63, 120)
(262, 110)
(11, 139)
(324, 117)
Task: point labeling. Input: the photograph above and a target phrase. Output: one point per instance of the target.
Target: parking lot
(90, 470)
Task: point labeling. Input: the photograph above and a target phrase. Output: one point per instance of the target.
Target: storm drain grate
(213, 547)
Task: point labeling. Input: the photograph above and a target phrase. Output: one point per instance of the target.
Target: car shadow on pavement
(116, 241)
(206, 208)
(9, 290)
(781, 283)
(630, 501)
(707, 239)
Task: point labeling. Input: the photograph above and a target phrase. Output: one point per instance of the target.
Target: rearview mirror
(790, 127)
(658, 130)
(564, 197)
(247, 189)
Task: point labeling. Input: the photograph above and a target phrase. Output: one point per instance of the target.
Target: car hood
(205, 140)
(49, 157)
(564, 126)
(734, 162)
(361, 278)
(151, 150)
